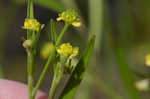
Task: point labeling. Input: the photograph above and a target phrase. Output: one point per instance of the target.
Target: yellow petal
(76, 24)
(75, 50)
(59, 19)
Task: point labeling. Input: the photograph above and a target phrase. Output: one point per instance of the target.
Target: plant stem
(30, 74)
(55, 83)
(30, 54)
(54, 87)
(62, 34)
(43, 73)
(96, 20)
(52, 55)
(126, 73)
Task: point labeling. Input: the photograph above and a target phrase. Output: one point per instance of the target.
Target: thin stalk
(52, 55)
(54, 86)
(43, 73)
(96, 20)
(126, 73)
(62, 34)
(30, 74)
(30, 54)
(30, 11)
(58, 75)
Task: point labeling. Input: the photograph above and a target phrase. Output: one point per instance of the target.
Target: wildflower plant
(65, 57)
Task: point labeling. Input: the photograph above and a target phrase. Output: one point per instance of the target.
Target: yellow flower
(70, 17)
(31, 24)
(67, 50)
(75, 52)
(147, 60)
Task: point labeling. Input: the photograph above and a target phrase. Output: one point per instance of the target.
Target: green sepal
(70, 65)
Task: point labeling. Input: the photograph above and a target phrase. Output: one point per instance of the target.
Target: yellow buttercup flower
(31, 24)
(70, 17)
(67, 50)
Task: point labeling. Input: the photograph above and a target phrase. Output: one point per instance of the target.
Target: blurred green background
(122, 29)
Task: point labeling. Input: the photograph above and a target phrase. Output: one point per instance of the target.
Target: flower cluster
(67, 50)
(70, 17)
(31, 24)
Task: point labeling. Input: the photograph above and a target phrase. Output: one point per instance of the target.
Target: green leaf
(126, 74)
(55, 5)
(53, 31)
(78, 74)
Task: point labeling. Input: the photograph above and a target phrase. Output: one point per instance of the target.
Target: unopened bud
(46, 50)
(27, 44)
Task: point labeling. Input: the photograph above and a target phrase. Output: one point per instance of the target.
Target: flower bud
(27, 44)
(46, 50)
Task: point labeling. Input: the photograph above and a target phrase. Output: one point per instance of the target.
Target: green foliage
(107, 89)
(78, 74)
(126, 74)
(96, 18)
(55, 5)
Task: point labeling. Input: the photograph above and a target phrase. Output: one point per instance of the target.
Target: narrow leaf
(78, 74)
(55, 5)
(126, 74)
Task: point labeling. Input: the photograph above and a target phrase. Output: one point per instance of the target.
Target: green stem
(30, 73)
(126, 73)
(30, 55)
(58, 74)
(96, 20)
(43, 73)
(55, 84)
(52, 55)
(62, 34)
(30, 11)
